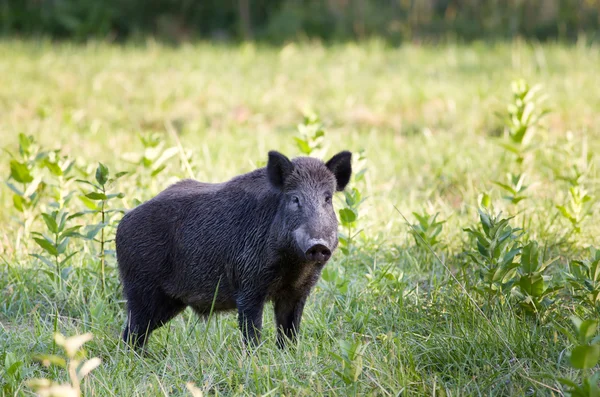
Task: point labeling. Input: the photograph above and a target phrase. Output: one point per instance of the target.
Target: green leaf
(511, 148)
(591, 384)
(303, 145)
(89, 203)
(360, 175)
(24, 143)
(96, 196)
(10, 358)
(347, 215)
(567, 382)
(34, 186)
(486, 222)
(19, 172)
(89, 183)
(50, 222)
(62, 246)
(486, 201)
(54, 168)
(517, 199)
(505, 187)
(65, 272)
(113, 195)
(565, 212)
(576, 321)
(547, 263)
(47, 246)
(158, 170)
(585, 356)
(14, 189)
(119, 210)
(92, 230)
(482, 249)
(166, 155)
(62, 222)
(530, 257)
(67, 166)
(532, 284)
(18, 203)
(12, 369)
(509, 256)
(101, 174)
(72, 231)
(80, 213)
(587, 330)
(328, 275)
(45, 260)
(68, 257)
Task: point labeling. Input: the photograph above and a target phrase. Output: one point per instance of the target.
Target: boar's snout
(314, 249)
(318, 252)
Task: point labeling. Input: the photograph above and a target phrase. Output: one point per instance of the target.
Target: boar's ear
(279, 168)
(341, 166)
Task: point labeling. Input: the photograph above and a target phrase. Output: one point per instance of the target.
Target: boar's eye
(328, 198)
(296, 200)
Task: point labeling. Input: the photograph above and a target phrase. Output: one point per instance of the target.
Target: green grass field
(417, 315)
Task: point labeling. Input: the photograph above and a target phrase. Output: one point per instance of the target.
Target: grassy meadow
(427, 309)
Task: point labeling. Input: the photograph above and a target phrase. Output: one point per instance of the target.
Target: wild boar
(261, 236)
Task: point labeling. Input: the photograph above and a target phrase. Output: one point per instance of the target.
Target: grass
(425, 118)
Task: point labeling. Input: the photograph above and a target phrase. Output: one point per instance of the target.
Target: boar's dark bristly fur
(262, 236)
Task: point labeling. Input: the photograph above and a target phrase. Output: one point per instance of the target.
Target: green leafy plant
(386, 281)
(350, 205)
(533, 290)
(153, 160)
(359, 166)
(310, 134)
(571, 160)
(77, 369)
(26, 185)
(497, 245)
(97, 202)
(584, 277)
(426, 230)
(577, 208)
(335, 277)
(523, 116)
(54, 243)
(583, 357)
(515, 187)
(11, 375)
(60, 168)
(577, 174)
(348, 216)
(350, 360)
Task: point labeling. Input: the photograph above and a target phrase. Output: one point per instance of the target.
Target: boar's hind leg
(288, 314)
(147, 312)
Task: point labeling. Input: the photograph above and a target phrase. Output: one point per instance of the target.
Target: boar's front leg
(250, 311)
(288, 313)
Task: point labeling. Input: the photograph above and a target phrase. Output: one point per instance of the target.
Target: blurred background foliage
(278, 21)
